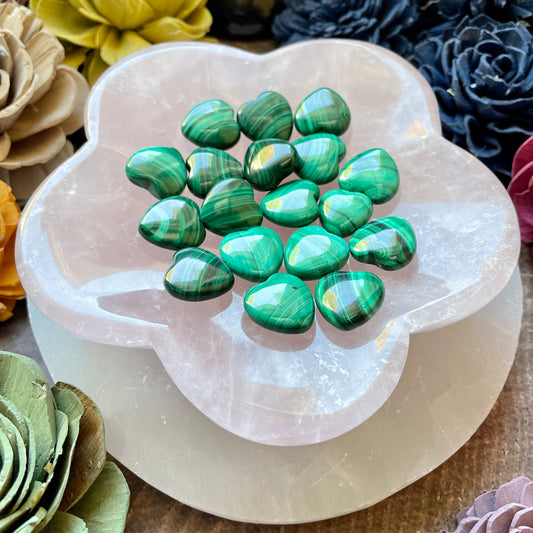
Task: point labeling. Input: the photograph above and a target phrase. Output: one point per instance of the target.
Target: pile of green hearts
(280, 301)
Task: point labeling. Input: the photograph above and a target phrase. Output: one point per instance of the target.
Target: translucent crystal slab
(85, 266)
(451, 380)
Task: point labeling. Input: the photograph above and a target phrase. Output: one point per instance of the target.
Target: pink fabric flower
(508, 509)
(521, 189)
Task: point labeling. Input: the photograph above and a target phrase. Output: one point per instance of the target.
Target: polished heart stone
(211, 123)
(323, 111)
(292, 204)
(268, 161)
(268, 116)
(389, 243)
(282, 303)
(349, 299)
(373, 173)
(158, 169)
(230, 206)
(312, 252)
(254, 254)
(208, 166)
(173, 223)
(319, 156)
(342, 212)
(197, 275)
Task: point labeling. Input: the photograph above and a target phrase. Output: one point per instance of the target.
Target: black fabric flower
(376, 21)
(482, 74)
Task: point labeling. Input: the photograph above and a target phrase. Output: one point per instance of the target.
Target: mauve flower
(376, 21)
(508, 509)
(482, 74)
(521, 189)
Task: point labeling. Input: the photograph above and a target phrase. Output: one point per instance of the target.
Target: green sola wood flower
(53, 471)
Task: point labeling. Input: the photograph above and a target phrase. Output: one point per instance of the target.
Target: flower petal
(173, 29)
(523, 155)
(6, 308)
(87, 9)
(125, 14)
(75, 120)
(75, 56)
(120, 44)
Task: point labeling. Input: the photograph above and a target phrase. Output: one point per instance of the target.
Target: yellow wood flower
(97, 33)
(10, 288)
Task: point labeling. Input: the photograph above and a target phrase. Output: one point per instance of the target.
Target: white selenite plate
(450, 382)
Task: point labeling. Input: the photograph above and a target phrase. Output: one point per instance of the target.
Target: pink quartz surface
(84, 265)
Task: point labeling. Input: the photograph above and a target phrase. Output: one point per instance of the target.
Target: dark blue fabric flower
(482, 74)
(376, 21)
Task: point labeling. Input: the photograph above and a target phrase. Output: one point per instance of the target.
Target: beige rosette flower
(41, 101)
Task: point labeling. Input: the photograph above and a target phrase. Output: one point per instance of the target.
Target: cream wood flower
(41, 101)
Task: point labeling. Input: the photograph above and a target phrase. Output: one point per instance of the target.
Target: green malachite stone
(230, 206)
(158, 169)
(254, 254)
(342, 212)
(283, 303)
(208, 166)
(373, 173)
(323, 111)
(211, 123)
(349, 299)
(197, 275)
(312, 252)
(173, 223)
(268, 116)
(319, 157)
(389, 243)
(269, 161)
(292, 204)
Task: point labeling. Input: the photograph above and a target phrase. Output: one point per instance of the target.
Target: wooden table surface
(501, 449)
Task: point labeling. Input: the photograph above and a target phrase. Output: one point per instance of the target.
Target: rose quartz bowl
(84, 265)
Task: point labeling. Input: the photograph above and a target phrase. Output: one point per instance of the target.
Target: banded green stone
(268, 116)
(254, 254)
(319, 157)
(349, 299)
(230, 206)
(342, 212)
(158, 169)
(268, 161)
(292, 204)
(373, 173)
(323, 111)
(282, 303)
(312, 252)
(389, 243)
(173, 223)
(197, 274)
(211, 123)
(207, 166)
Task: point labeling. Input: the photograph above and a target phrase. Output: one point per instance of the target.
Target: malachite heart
(389, 243)
(342, 212)
(254, 254)
(208, 166)
(211, 123)
(292, 204)
(319, 156)
(173, 223)
(269, 116)
(312, 252)
(197, 275)
(373, 173)
(158, 169)
(269, 161)
(323, 111)
(283, 303)
(349, 299)
(230, 206)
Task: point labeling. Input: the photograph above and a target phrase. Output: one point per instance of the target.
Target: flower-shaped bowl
(84, 265)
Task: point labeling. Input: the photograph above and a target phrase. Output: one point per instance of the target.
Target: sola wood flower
(101, 32)
(10, 288)
(54, 475)
(508, 509)
(41, 101)
(521, 189)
